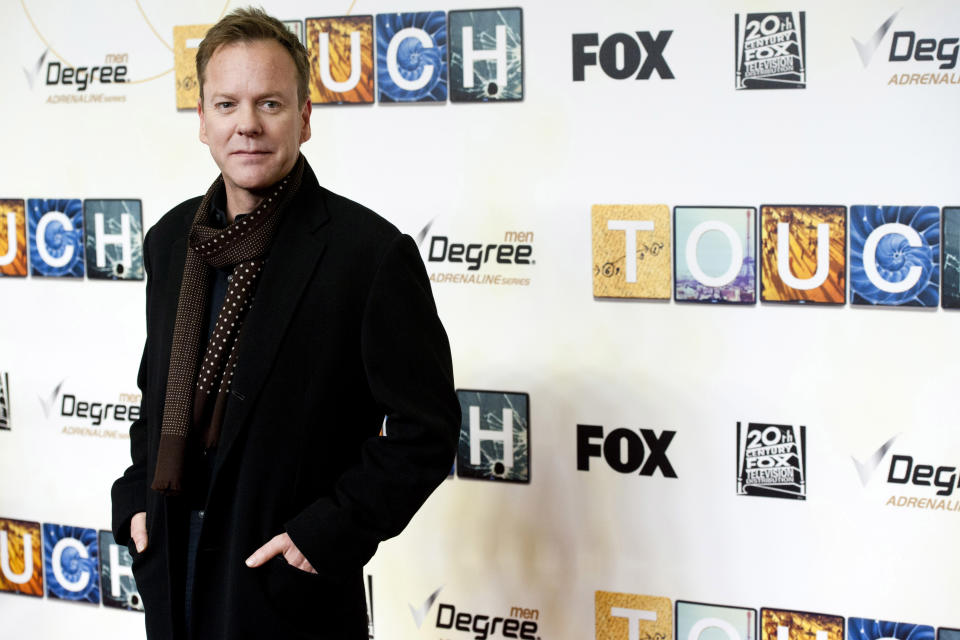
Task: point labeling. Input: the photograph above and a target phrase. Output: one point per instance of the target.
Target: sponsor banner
(894, 256)
(950, 258)
(623, 449)
(13, 238)
(494, 436)
(631, 251)
(637, 55)
(56, 237)
(341, 59)
(77, 412)
(771, 460)
(412, 57)
(518, 622)
(21, 559)
(66, 83)
(715, 257)
(932, 482)
(699, 621)
(781, 624)
(486, 55)
(114, 239)
(468, 261)
(627, 616)
(871, 629)
(455, 621)
(6, 422)
(912, 57)
(116, 575)
(71, 563)
(927, 482)
(771, 50)
(803, 254)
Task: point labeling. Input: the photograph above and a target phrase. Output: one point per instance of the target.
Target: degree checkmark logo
(421, 613)
(32, 75)
(869, 47)
(866, 468)
(423, 232)
(50, 401)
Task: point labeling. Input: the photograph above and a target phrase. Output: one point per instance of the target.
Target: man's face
(250, 119)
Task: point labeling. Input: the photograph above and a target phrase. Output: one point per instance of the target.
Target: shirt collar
(218, 204)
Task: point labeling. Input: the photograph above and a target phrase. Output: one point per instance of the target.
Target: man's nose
(249, 122)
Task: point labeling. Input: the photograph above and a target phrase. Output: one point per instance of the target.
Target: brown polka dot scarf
(197, 387)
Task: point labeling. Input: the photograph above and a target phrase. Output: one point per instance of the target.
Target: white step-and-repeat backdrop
(696, 259)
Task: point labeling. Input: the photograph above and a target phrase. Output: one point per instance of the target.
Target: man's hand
(281, 544)
(138, 530)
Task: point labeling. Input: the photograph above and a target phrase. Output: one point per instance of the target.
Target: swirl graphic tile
(867, 629)
(70, 556)
(894, 256)
(56, 243)
(414, 69)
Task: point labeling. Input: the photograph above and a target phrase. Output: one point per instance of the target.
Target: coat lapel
(293, 259)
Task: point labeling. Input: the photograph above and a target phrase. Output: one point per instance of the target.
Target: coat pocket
(319, 605)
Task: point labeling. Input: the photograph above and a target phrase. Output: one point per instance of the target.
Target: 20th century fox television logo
(771, 460)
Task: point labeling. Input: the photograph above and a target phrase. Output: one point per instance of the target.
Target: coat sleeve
(407, 361)
(129, 492)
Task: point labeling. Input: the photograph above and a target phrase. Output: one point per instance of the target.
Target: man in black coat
(284, 322)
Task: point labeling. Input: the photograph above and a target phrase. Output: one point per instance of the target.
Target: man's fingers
(296, 559)
(138, 531)
(274, 547)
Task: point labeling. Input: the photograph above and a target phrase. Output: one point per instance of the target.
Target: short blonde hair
(250, 25)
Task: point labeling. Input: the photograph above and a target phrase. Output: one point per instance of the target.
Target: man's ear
(305, 121)
(203, 124)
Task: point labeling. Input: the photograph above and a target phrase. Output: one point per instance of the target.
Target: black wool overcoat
(343, 331)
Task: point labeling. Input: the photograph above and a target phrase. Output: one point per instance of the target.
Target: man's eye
(271, 104)
(224, 105)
